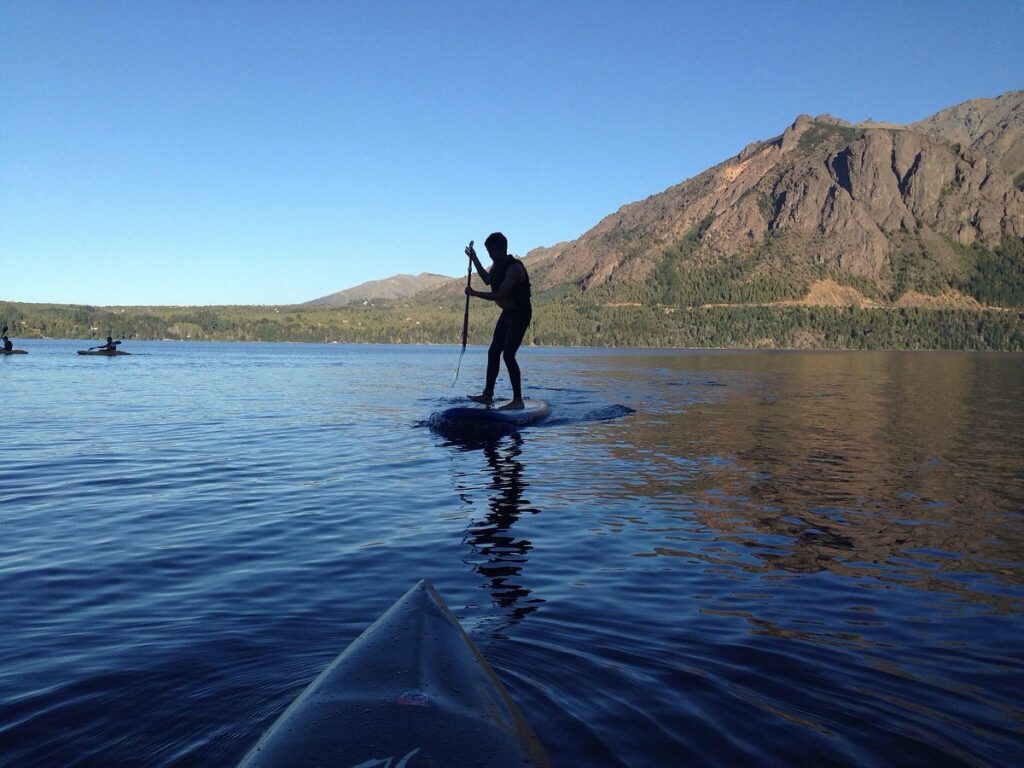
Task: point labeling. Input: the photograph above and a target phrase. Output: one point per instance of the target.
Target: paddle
(465, 317)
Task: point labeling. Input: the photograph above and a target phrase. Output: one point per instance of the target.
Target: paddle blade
(458, 367)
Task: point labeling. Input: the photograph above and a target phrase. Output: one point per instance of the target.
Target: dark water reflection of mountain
(760, 558)
(848, 462)
(817, 557)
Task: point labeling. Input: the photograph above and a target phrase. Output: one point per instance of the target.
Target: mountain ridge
(394, 287)
(994, 126)
(888, 209)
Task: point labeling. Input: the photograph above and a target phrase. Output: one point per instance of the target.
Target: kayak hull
(102, 353)
(412, 690)
(13, 351)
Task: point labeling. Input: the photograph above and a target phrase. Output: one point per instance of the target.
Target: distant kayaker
(510, 290)
(110, 346)
(8, 344)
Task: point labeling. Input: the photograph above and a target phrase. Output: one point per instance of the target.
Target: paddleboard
(13, 351)
(102, 352)
(411, 691)
(532, 412)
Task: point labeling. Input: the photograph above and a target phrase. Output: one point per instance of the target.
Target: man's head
(109, 339)
(497, 246)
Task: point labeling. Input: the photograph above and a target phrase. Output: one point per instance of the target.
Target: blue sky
(272, 152)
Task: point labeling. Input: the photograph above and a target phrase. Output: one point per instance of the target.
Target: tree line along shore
(558, 321)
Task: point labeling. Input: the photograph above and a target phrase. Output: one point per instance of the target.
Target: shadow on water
(499, 555)
(496, 552)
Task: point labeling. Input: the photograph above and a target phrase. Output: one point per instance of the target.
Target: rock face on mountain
(868, 204)
(396, 287)
(993, 126)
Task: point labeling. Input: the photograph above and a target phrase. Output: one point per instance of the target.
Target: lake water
(702, 558)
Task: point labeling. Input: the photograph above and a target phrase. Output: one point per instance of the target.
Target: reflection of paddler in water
(510, 290)
(492, 537)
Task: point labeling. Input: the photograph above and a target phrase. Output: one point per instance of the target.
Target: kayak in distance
(13, 351)
(531, 412)
(102, 352)
(412, 691)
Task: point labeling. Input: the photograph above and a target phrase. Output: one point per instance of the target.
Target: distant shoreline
(557, 322)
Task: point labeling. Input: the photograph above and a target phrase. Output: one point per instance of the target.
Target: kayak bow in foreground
(411, 691)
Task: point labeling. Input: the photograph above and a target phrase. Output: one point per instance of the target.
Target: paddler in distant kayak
(110, 346)
(8, 344)
(510, 290)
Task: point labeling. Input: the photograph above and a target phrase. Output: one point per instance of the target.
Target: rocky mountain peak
(993, 126)
(826, 197)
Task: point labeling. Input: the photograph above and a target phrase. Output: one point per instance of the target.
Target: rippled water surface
(702, 558)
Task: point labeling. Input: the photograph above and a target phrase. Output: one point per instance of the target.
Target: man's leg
(513, 340)
(501, 329)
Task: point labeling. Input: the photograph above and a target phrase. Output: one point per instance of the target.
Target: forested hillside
(569, 320)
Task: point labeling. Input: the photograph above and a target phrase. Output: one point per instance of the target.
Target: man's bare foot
(513, 405)
(483, 399)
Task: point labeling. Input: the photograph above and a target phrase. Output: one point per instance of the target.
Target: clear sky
(198, 152)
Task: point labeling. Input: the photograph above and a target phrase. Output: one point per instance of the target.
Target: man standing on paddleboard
(510, 290)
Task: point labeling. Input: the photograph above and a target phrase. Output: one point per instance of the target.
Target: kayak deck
(411, 691)
(102, 352)
(13, 351)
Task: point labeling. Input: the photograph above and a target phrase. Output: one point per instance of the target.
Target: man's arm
(513, 277)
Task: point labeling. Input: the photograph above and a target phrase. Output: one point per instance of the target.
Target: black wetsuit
(509, 330)
(8, 345)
